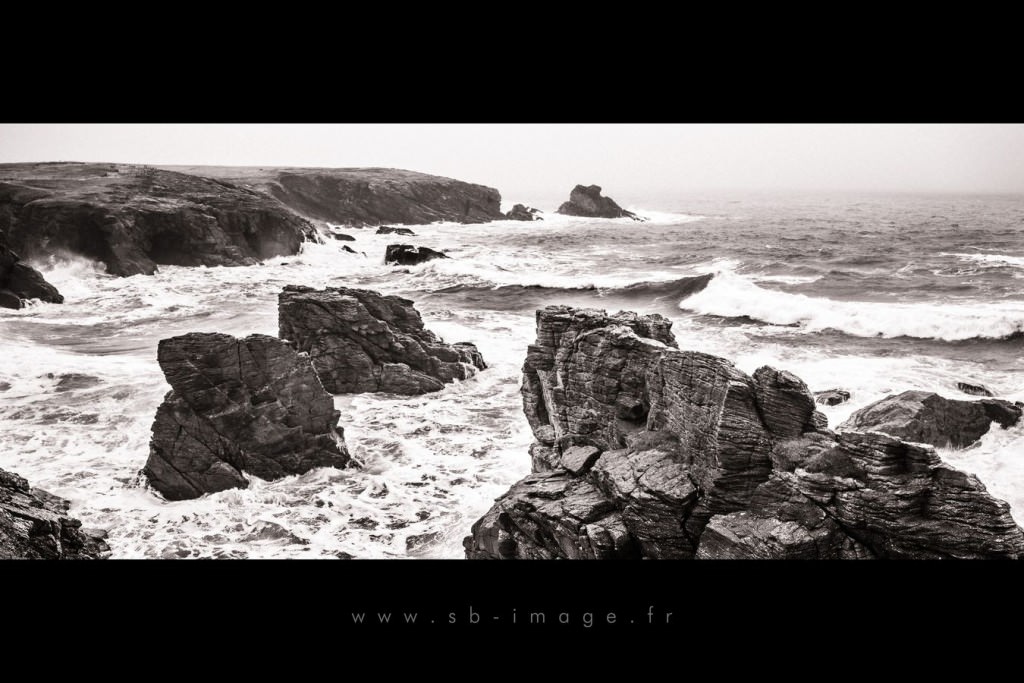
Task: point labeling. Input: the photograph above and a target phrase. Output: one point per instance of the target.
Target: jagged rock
(587, 201)
(699, 460)
(926, 417)
(520, 212)
(359, 340)
(20, 282)
(349, 249)
(832, 397)
(551, 515)
(388, 230)
(554, 370)
(974, 389)
(408, 255)
(343, 237)
(34, 525)
(578, 459)
(238, 405)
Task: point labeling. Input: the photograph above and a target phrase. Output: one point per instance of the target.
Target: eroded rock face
(587, 201)
(20, 282)
(359, 340)
(238, 405)
(644, 450)
(34, 525)
(409, 255)
(134, 219)
(926, 417)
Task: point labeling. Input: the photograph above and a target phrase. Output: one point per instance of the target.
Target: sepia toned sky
(534, 159)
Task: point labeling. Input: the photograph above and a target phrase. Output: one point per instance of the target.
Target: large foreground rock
(647, 451)
(587, 201)
(34, 525)
(19, 282)
(361, 341)
(926, 417)
(238, 405)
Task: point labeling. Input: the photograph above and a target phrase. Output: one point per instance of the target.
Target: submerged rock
(20, 282)
(696, 459)
(974, 389)
(408, 255)
(521, 212)
(388, 230)
(587, 201)
(832, 397)
(359, 340)
(926, 417)
(343, 237)
(238, 405)
(34, 525)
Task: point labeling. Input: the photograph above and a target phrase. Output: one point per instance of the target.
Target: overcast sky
(530, 160)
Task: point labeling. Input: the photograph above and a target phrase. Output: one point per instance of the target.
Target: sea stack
(238, 405)
(587, 201)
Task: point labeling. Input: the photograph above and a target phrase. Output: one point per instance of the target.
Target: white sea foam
(995, 260)
(732, 295)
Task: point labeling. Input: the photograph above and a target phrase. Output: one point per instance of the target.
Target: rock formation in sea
(521, 212)
(365, 196)
(342, 237)
(974, 389)
(587, 201)
(389, 230)
(238, 405)
(136, 218)
(926, 417)
(34, 525)
(832, 397)
(408, 255)
(359, 340)
(20, 282)
(647, 451)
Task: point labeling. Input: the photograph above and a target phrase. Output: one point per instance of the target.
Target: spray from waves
(730, 295)
(992, 260)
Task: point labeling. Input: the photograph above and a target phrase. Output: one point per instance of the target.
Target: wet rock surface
(34, 525)
(359, 340)
(696, 459)
(250, 405)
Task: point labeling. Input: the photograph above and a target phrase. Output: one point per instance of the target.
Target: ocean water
(874, 294)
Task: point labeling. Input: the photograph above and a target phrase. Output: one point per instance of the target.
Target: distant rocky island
(587, 201)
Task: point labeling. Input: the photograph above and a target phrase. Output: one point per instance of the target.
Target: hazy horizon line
(605, 189)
